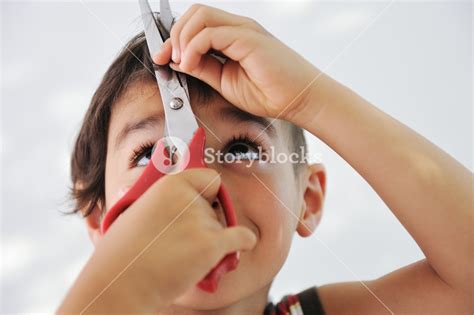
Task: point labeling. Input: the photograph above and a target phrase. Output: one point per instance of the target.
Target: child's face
(273, 221)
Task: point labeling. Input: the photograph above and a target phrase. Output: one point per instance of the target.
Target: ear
(93, 225)
(314, 186)
(93, 219)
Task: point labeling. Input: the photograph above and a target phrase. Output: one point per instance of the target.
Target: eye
(243, 148)
(142, 155)
(144, 158)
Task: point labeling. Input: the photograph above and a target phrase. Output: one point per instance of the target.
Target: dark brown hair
(88, 160)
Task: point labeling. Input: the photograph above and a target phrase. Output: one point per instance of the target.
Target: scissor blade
(180, 123)
(152, 33)
(166, 16)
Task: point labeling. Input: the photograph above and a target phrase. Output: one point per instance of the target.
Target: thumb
(209, 70)
(237, 238)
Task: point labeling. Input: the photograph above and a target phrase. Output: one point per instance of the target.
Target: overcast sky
(412, 59)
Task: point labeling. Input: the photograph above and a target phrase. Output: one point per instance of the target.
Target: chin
(251, 281)
(234, 287)
(230, 291)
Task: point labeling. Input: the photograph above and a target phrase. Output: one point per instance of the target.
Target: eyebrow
(231, 114)
(147, 122)
(234, 114)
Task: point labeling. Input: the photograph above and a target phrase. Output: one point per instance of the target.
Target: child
(154, 254)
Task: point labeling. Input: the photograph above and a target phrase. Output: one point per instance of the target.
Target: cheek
(271, 209)
(259, 210)
(275, 222)
(115, 196)
(117, 181)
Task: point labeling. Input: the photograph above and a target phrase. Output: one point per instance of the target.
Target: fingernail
(174, 55)
(174, 66)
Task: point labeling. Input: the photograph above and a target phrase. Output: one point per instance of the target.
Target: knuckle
(174, 31)
(251, 22)
(255, 25)
(202, 12)
(211, 172)
(195, 6)
(213, 179)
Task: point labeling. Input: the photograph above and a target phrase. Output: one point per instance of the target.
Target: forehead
(141, 102)
(140, 105)
(144, 96)
(136, 100)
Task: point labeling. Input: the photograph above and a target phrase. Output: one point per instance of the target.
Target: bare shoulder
(414, 289)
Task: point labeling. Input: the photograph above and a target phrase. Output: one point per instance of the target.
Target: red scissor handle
(150, 175)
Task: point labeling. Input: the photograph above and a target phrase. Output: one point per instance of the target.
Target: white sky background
(414, 62)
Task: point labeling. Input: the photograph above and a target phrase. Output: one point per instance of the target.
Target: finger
(234, 42)
(204, 17)
(237, 238)
(163, 56)
(209, 70)
(204, 181)
(176, 30)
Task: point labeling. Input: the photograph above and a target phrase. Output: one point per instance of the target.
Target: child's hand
(164, 244)
(262, 76)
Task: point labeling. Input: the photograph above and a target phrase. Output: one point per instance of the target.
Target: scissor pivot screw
(176, 103)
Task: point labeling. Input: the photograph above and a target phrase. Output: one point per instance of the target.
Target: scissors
(183, 144)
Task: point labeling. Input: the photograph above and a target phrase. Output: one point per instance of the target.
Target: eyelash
(145, 147)
(139, 152)
(245, 139)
